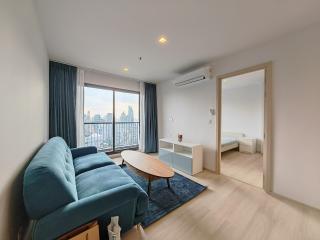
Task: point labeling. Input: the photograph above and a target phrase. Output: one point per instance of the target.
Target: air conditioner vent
(194, 77)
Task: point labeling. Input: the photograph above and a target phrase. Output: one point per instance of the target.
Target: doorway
(244, 125)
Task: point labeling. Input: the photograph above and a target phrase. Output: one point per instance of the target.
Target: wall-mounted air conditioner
(194, 77)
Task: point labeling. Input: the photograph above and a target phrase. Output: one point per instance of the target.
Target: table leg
(149, 187)
(168, 182)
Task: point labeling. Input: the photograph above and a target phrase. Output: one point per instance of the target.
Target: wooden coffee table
(147, 166)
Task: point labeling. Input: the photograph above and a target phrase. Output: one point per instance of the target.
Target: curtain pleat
(79, 107)
(142, 119)
(62, 102)
(151, 118)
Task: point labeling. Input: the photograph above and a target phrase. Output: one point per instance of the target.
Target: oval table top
(147, 164)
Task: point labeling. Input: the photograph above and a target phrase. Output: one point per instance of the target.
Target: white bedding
(230, 140)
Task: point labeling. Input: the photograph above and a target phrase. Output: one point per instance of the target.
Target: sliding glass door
(111, 118)
(126, 119)
(98, 118)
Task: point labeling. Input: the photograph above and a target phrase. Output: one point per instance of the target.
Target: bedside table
(247, 145)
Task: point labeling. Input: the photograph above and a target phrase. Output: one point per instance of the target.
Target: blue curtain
(62, 102)
(151, 118)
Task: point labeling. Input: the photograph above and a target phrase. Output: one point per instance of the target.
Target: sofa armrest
(83, 211)
(82, 151)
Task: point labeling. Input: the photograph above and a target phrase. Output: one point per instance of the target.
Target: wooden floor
(232, 210)
(245, 167)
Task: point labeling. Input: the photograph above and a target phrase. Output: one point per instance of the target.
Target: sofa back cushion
(49, 180)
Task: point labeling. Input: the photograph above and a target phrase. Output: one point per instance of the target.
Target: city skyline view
(99, 128)
(127, 116)
(99, 102)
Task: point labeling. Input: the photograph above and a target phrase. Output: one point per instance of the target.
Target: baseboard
(190, 177)
(28, 231)
(276, 195)
(210, 170)
(116, 155)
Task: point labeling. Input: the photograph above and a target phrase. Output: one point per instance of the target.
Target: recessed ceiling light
(162, 40)
(125, 69)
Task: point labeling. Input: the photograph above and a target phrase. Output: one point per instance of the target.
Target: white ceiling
(244, 80)
(109, 34)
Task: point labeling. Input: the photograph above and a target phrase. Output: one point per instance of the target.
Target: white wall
(296, 115)
(189, 109)
(242, 110)
(110, 80)
(23, 104)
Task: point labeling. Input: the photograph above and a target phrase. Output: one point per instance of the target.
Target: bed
(230, 140)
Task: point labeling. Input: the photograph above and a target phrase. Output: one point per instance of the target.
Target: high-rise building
(97, 118)
(130, 116)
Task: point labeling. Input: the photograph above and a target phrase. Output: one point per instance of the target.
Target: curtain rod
(99, 71)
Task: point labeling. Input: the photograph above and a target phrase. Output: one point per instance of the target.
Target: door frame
(267, 161)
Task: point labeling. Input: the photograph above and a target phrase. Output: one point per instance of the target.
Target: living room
(112, 110)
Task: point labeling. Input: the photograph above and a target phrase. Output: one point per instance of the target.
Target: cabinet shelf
(166, 149)
(186, 154)
(187, 157)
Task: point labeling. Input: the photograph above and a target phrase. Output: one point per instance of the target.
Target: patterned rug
(164, 200)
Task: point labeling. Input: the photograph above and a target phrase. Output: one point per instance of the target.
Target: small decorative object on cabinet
(247, 145)
(89, 231)
(180, 137)
(186, 157)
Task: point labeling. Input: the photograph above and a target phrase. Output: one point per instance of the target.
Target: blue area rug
(164, 200)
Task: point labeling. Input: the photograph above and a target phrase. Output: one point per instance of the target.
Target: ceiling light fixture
(125, 69)
(162, 40)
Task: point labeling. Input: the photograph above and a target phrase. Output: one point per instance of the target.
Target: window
(126, 119)
(111, 118)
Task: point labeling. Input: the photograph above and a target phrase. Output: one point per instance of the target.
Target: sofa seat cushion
(91, 161)
(100, 180)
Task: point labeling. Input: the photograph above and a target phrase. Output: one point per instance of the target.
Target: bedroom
(242, 127)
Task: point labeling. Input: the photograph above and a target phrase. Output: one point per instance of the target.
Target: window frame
(113, 89)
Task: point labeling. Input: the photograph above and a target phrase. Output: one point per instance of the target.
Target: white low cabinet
(247, 145)
(186, 157)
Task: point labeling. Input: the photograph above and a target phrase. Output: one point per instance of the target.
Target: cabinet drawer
(165, 156)
(182, 163)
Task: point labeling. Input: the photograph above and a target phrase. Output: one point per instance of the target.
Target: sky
(99, 101)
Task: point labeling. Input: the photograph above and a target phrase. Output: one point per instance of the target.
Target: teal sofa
(65, 188)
